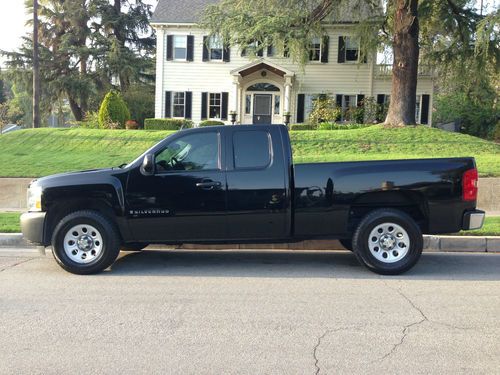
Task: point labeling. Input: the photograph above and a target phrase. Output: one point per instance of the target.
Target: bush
(334, 126)
(140, 100)
(131, 125)
(166, 124)
(91, 121)
(324, 110)
(303, 127)
(113, 111)
(211, 123)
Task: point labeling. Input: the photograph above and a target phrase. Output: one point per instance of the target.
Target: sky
(13, 21)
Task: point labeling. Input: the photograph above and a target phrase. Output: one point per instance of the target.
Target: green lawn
(9, 223)
(33, 153)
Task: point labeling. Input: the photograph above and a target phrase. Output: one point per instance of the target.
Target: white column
(286, 107)
(236, 96)
(160, 61)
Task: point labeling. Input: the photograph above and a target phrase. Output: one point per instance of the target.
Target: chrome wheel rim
(389, 242)
(83, 243)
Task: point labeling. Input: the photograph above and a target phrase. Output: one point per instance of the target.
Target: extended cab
(233, 184)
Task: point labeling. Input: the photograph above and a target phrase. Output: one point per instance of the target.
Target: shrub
(334, 126)
(324, 110)
(131, 125)
(113, 111)
(91, 121)
(211, 123)
(303, 127)
(140, 100)
(166, 124)
(496, 132)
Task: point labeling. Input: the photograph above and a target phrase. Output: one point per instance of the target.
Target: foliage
(40, 152)
(113, 111)
(132, 125)
(324, 109)
(211, 123)
(167, 124)
(140, 100)
(91, 121)
(336, 126)
(475, 117)
(496, 132)
(303, 127)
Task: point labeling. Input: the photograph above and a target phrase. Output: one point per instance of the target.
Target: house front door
(262, 108)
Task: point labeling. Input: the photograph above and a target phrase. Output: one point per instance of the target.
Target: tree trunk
(405, 66)
(76, 109)
(36, 69)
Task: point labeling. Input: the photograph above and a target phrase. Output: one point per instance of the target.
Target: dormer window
(216, 48)
(180, 47)
(315, 52)
(351, 49)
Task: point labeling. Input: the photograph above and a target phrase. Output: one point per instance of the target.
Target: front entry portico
(261, 92)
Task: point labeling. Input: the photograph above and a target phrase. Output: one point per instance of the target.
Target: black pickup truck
(234, 184)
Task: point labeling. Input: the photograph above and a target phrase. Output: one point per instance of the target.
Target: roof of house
(175, 11)
(189, 11)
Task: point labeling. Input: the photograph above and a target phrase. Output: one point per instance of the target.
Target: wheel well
(411, 203)
(63, 208)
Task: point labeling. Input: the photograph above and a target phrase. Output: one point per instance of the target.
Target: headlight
(35, 198)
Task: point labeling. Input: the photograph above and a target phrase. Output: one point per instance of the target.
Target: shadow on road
(294, 264)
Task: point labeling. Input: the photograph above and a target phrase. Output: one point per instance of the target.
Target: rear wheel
(388, 242)
(85, 242)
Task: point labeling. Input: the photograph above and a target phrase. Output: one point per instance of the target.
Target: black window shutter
(205, 48)
(168, 104)
(225, 104)
(170, 47)
(324, 48)
(359, 100)
(338, 101)
(365, 58)
(190, 48)
(243, 52)
(188, 105)
(380, 98)
(204, 105)
(380, 105)
(226, 54)
(424, 115)
(301, 100)
(270, 51)
(341, 55)
(260, 50)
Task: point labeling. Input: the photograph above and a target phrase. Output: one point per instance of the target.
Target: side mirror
(148, 165)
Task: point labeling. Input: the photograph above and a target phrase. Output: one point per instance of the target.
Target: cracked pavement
(219, 312)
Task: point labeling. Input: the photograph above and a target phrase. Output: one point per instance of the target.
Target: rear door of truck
(258, 182)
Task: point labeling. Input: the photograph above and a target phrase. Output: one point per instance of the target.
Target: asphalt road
(181, 312)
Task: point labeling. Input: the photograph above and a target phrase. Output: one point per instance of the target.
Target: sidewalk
(477, 244)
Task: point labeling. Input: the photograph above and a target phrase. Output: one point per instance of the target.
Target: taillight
(469, 185)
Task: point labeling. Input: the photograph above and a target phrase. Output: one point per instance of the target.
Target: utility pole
(36, 69)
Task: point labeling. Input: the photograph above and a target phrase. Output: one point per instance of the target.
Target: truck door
(257, 181)
(186, 197)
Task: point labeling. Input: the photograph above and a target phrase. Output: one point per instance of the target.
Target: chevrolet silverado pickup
(236, 184)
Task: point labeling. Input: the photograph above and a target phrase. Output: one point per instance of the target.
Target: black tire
(408, 256)
(133, 246)
(109, 248)
(347, 243)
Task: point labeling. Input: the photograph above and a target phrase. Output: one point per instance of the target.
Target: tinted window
(251, 149)
(194, 152)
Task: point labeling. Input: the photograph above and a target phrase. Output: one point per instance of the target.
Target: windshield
(148, 151)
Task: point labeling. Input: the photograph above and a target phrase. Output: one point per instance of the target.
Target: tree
(292, 23)
(36, 69)
(113, 111)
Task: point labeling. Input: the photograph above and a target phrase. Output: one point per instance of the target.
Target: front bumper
(473, 220)
(32, 226)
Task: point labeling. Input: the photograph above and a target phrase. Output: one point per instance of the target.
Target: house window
(417, 109)
(315, 52)
(248, 104)
(215, 105)
(253, 48)
(216, 48)
(178, 104)
(308, 104)
(351, 49)
(349, 102)
(180, 47)
(277, 104)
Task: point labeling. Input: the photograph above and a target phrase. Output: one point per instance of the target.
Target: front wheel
(85, 242)
(388, 242)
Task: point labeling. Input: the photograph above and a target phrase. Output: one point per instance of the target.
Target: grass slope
(9, 223)
(32, 153)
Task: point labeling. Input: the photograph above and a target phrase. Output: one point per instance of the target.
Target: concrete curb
(476, 244)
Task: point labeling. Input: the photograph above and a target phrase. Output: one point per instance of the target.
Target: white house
(199, 78)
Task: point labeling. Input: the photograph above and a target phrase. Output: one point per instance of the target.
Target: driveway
(217, 312)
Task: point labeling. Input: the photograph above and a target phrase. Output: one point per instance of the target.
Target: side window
(252, 149)
(193, 152)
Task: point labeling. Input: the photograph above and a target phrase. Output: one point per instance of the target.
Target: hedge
(303, 127)
(335, 126)
(211, 123)
(166, 124)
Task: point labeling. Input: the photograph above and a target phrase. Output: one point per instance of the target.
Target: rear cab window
(251, 149)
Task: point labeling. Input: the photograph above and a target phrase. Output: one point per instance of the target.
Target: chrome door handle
(208, 185)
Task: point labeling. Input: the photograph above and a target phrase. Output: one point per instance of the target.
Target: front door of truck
(186, 197)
